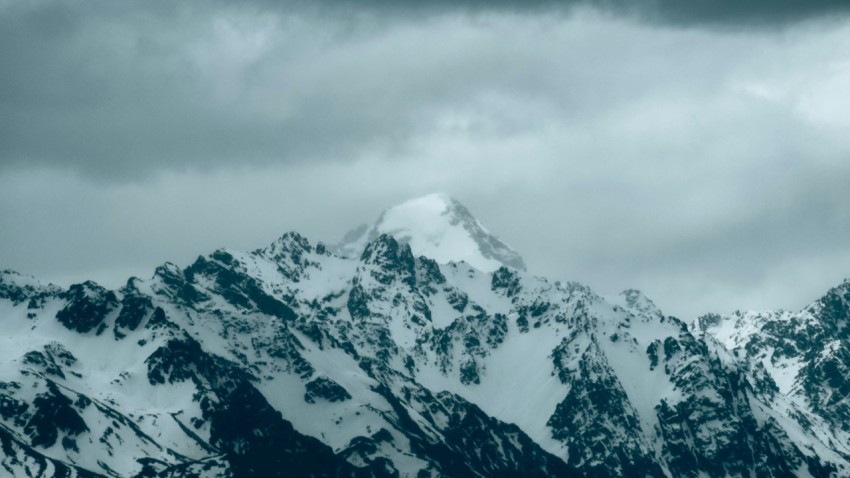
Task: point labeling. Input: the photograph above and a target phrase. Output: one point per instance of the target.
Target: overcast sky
(698, 151)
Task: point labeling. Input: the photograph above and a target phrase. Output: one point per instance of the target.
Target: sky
(698, 151)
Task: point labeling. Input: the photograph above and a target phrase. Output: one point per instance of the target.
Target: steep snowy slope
(439, 227)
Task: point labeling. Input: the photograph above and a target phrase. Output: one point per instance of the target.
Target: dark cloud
(121, 92)
(736, 13)
(124, 89)
(710, 14)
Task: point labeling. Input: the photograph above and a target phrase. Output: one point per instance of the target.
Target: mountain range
(416, 347)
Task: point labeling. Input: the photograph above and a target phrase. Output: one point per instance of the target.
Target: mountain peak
(437, 226)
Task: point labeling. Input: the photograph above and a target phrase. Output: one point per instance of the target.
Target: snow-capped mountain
(439, 227)
(292, 360)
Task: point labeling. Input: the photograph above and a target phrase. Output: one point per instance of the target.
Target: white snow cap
(439, 227)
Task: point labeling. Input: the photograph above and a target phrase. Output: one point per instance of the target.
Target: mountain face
(801, 359)
(292, 360)
(439, 227)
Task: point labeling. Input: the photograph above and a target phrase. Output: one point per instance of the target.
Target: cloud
(721, 14)
(120, 91)
(740, 12)
(123, 93)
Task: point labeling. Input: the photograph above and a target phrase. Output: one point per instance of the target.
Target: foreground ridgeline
(367, 359)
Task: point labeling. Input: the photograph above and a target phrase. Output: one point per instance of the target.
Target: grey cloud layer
(710, 14)
(119, 93)
(119, 90)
